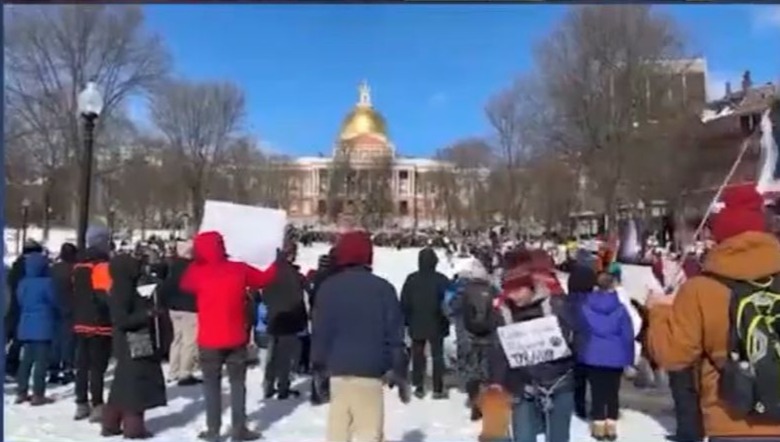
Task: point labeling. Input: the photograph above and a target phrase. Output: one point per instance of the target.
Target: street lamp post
(90, 104)
(111, 221)
(25, 216)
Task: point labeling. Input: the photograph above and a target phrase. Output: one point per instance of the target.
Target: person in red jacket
(220, 287)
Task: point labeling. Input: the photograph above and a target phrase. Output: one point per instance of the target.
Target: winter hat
(68, 252)
(517, 278)
(471, 268)
(742, 210)
(582, 279)
(354, 248)
(585, 258)
(615, 271)
(31, 246)
(98, 237)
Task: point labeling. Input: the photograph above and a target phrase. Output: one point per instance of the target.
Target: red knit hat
(742, 211)
(354, 248)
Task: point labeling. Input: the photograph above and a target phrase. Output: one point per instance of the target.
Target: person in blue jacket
(39, 313)
(605, 348)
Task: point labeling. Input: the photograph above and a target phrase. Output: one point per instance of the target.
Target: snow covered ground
(296, 420)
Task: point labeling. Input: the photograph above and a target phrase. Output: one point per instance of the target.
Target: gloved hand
(394, 381)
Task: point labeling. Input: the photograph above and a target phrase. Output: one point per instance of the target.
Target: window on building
(403, 175)
(403, 208)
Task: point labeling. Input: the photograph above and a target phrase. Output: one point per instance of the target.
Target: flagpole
(713, 201)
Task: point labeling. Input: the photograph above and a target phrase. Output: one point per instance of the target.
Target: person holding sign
(534, 360)
(220, 289)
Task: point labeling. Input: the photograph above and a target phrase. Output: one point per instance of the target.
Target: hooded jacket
(422, 297)
(62, 274)
(606, 334)
(694, 330)
(220, 288)
(39, 308)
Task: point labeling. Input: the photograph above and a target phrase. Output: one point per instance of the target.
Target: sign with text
(252, 234)
(533, 342)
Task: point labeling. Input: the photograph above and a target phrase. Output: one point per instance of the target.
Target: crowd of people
(714, 332)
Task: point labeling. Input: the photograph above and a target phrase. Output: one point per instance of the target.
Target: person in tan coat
(690, 329)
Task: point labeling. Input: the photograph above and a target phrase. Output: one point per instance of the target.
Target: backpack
(750, 374)
(478, 312)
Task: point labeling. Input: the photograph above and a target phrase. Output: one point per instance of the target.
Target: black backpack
(478, 315)
(750, 374)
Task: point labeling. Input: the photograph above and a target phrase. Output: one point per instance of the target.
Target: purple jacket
(606, 337)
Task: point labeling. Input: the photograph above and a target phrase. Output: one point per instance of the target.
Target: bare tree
(513, 114)
(51, 51)
(375, 191)
(599, 66)
(199, 120)
(340, 173)
(471, 160)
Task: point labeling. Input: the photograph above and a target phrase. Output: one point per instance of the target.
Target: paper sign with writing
(533, 342)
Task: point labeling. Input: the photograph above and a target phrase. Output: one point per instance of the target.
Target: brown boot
(598, 430)
(37, 401)
(21, 398)
(112, 421)
(133, 426)
(610, 430)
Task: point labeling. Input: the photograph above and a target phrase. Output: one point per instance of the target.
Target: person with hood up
(605, 348)
(64, 345)
(92, 323)
(471, 310)
(39, 311)
(541, 383)
(582, 279)
(138, 383)
(286, 318)
(422, 297)
(13, 277)
(357, 337)
(220, 288)
(691, 328)
(183, 354)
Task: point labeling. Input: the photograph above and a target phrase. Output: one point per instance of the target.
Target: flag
(769, 167)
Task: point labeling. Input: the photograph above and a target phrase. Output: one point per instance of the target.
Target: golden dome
(363, 119)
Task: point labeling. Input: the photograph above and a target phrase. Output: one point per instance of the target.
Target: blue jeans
(743, 439)
(63, 349)
(528, 419)
(35, 360)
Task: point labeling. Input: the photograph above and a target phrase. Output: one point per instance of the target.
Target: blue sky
(431, 67)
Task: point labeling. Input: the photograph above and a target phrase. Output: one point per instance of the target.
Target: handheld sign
(533, 342)
(252, 234)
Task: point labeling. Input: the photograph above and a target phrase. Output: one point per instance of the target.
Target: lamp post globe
(90, 101)
(90, 106)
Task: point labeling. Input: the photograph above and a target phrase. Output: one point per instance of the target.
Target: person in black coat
(421, 300)
(286, 319)
(138, 383)
(64, 345)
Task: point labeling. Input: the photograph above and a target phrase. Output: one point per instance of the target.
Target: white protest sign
(638, 280)
(533, 342)
(252, 234)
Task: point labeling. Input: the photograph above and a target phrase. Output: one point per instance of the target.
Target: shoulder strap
(506, 314)
(738, 289)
